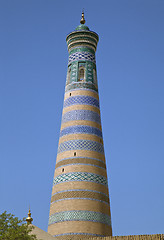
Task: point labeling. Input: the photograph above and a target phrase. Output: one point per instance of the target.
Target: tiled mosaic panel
(83, 129)
(80, 176)
(80, 194)
(78, 215)
(81, 85)
(81, 115)
(82, 49)
(81, 160)
(78, 56)
(90, 72)
(86, 100)
(81, 144)
(74, 70)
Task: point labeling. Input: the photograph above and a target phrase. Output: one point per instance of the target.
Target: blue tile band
(80, 129)
(80, 176)
(78, 215)
(81, 115)
(81, 144)
(81, 56)
(82, 100)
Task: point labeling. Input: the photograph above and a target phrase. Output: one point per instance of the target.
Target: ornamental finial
(82, 21)
(29, 219)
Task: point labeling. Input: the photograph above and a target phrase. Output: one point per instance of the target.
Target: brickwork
(42, 235)
(131, 237)
(80, 203)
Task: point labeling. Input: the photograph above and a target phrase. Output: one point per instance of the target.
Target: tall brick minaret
(80, 199)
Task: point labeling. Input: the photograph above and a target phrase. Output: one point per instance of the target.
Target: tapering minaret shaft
(80, 200)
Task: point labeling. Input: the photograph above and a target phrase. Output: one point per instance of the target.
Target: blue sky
(130, 63)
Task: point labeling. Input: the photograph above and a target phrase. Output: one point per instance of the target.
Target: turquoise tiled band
(81, 145)
(81, 85)
(80, 176)
(78, 215)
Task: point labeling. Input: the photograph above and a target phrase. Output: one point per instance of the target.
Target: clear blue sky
(130, 63)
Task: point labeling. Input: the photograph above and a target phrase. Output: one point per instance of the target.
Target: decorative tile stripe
(81, 49)
(80, 176)
(86, 56)
(80, 194)
(89, 161)
(81, 144)
(81, 89)
(62, 159)
(87, 190)
(81, 164)
(76, 129)
(85, 100)
(78, 215)
(81, 115)
(92, 234)
(81, 85)
(90, 199)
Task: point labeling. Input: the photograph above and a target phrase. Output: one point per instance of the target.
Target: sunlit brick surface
(80, 203)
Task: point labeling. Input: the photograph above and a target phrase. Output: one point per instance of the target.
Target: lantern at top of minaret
(82, 45)
(80, 199)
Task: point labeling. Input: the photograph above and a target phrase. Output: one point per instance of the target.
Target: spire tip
(82, 21)
(29, 219)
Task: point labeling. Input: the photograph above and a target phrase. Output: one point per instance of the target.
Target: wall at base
(42, 235)
(130, 237)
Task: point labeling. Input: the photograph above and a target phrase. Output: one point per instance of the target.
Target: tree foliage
(11, 228)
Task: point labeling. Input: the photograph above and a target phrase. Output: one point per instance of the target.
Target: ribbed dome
(82, 27)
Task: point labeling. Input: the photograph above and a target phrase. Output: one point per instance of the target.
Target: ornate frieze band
(79, 56)
(86, 115)
(81, 100)
(81, 86)
(80, 160)
(78, 215)
(81, 144)
(80, 176)
(80, 194)
(83, 129)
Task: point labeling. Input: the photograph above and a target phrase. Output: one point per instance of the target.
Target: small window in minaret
(69, 75)
(94, 77)
(81, 74)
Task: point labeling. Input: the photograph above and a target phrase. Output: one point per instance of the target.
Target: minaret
(80, 199)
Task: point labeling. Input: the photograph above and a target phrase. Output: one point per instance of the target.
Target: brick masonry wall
(80, 203)
(130, 237)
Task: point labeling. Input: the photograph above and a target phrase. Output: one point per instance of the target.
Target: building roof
(40, 234)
